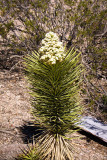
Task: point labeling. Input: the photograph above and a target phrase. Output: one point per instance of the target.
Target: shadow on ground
(90, 137)
(30, 131)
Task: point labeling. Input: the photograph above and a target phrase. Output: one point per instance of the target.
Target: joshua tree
(55, 76)
(80, 24)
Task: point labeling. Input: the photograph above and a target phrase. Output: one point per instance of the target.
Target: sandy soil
(15, 122)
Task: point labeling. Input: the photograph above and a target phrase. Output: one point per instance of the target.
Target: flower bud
(52, 49)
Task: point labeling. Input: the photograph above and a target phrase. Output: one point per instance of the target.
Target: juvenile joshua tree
(55, 77)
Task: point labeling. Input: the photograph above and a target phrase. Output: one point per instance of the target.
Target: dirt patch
(10, 151)
(15, 111)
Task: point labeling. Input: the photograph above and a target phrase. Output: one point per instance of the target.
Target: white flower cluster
(52, 49)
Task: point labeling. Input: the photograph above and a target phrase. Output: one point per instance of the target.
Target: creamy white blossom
(54, 61)
(43, 57)
(52, 49)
